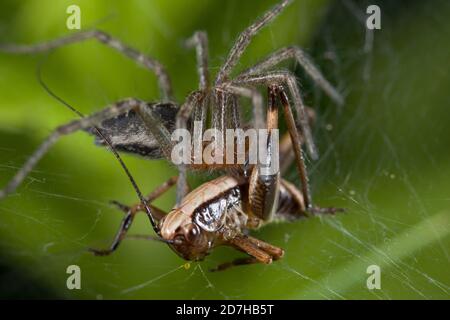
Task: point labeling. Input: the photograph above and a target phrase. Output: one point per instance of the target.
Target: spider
(144, 128)
(222, 211)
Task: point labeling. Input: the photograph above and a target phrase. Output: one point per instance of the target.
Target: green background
(384, 155)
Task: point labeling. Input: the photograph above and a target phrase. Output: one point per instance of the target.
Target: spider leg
(297, 144)
(195, 103)
(292, 205)
(296, 141)
(232, 114)
(83, 123)
(257, 102)
(287, 154)
(290, 80)
(102, 37)
(182, 185)
(224, 115)
(244, 40)
(130, 213)
(231, 110)
(200, 41)
(300, 56)
(219, 108)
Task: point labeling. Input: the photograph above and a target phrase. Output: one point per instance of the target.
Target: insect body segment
(201, 221)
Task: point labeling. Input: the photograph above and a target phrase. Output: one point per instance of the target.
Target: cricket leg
(130, 213)
(258, 250)
(265, 177)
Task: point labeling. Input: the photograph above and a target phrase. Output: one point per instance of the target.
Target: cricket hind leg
(265, 177)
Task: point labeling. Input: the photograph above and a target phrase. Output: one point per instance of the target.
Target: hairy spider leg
(256, 99)
(71, 127)
(200, 41)
(303, 60)
(290, 80)
(195, 102)
(244, 40)
(141, 59)
(287, 154)
(297, 142)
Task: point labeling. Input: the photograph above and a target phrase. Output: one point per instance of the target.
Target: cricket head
(185, 237)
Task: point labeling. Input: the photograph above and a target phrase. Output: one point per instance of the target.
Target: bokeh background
(385, 155)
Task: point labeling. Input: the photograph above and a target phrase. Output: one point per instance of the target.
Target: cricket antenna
(108, 142)
(151, 238)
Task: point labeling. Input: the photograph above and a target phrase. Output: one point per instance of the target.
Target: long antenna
(108, 142)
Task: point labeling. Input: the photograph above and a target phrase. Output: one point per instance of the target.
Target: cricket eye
(192, 234)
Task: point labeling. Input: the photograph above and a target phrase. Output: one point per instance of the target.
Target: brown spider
(143, 128)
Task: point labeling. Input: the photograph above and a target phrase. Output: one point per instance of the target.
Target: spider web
(383, 157)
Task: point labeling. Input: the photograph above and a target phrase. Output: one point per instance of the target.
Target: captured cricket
(221, 211)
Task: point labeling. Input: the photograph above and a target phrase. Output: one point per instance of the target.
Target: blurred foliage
(384, 155)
